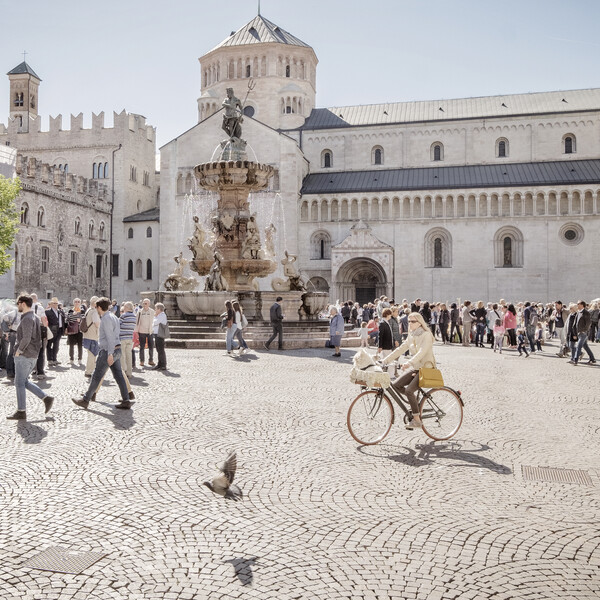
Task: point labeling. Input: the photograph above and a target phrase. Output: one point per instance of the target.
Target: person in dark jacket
(444, 322)
(395, 327)
(386, 335)
(57, 322)
(578, 326)
(480, 315)
(426, 312)
(346, 312)
(276, 317)
(455, 322)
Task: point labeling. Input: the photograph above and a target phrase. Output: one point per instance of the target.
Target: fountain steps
(191, 334)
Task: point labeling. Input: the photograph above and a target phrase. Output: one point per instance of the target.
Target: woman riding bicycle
(420, 345)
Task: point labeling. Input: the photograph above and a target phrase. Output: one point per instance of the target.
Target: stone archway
(362, 280)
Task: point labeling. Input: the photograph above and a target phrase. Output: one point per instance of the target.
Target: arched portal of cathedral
(361, 266)
(361, 280)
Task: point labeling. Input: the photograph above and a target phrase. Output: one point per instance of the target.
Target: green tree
(9, 219)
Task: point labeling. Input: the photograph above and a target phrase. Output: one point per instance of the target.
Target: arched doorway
(361, 280)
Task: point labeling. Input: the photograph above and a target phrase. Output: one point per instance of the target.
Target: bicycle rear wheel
(370, 417)
(441, 413)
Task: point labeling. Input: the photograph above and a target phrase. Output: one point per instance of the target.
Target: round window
(249, 111)
(571, 234)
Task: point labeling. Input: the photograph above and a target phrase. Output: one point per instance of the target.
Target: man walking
(56, 324)
(109, 356)
(38, 311)
(144, 325)
(579, 334)
(560, 320)
(276, 317)
(27, 348)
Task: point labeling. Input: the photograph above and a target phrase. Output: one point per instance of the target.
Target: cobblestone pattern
(322, 518)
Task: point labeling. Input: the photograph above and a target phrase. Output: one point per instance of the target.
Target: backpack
(84, 325)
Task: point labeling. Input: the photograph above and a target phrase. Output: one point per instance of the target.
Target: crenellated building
(120, 158)
(62, 246)
(484, 198)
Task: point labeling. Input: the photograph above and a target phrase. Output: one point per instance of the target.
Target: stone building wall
(62, 247)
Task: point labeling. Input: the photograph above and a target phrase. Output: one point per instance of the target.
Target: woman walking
(336, 330)
(74, 336)
(240, 322)
(510, 324)
(231, 327)
(455, 322)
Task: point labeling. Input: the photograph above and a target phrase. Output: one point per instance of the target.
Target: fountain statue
(231, 255)
(176, 281)
(294, 281)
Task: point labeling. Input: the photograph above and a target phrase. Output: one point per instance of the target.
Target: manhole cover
(60, 560)
(556, 475)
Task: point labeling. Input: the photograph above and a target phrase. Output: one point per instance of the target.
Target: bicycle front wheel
(441, 413)
(370, 417)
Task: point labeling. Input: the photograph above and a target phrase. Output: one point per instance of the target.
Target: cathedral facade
(477, 197)
(110, 170)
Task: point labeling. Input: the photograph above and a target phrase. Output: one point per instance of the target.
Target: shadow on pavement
(243, 569)
(31, 433)
(121, 419)
(433, 452)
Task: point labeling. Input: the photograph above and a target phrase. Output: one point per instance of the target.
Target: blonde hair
(421, 320)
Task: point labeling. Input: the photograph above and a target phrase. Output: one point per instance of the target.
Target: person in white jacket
(419, 343)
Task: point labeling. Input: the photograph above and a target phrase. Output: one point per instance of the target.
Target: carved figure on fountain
(215, 282)
(176, 281)
(251, 247)
(270, 231)
(201, 243)
(294, 281)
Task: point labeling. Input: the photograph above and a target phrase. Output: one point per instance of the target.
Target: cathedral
(482, 198)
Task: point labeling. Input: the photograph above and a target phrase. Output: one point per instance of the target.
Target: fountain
(229, 252)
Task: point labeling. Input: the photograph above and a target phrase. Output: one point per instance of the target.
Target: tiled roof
(569, 172)
(22, 69)
(260, 31)
(148, 215)
(458, 108)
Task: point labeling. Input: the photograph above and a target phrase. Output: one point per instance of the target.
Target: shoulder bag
(163, 331)
(430, 378)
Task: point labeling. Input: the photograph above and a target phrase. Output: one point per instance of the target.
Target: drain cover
(556, 475)
(60, 560)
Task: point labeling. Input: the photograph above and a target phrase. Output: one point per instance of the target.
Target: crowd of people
(110, 333)
(521, 326)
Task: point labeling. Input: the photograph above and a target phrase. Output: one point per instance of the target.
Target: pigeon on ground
(223, 484)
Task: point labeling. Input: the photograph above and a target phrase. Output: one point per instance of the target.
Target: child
(498, 335)
(539, 336)
(363, 334)
(522, 347)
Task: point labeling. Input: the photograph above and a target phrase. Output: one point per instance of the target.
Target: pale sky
(142, 55)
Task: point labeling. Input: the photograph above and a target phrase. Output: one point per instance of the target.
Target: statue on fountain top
(232, 119)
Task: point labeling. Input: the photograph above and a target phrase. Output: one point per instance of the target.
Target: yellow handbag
(430, 378)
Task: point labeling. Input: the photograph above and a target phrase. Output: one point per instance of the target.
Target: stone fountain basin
(207, 304)
(223, 174)
(255, 267)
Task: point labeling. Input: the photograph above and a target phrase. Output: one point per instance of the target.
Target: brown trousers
(407, 384)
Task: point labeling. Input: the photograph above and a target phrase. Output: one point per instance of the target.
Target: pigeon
(222, 484)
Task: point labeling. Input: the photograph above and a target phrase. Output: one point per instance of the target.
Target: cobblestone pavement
(322, 518)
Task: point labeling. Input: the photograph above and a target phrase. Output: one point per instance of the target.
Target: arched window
(130, 233)
(569, 145)
(437, 151)
(327, 159)
(149, 232)
(90, 275)
(130, 270)
(248, 71)
(91, 230)
(101, 230)
(100, 170)
(320, 246)
(66, 168)
(508, 247)
(138, 269)
(287, 70)
(105, 170)
(148, 269)
(377, 155)
(24, 213)
(77, 226)
(501, 148)
(41, 217)
(437, 252)
(438, 248)
(45, 259)
(95, 171)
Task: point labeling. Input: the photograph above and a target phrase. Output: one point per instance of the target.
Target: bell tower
(23, 104)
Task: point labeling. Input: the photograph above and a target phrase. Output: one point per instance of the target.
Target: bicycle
(371, 414)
